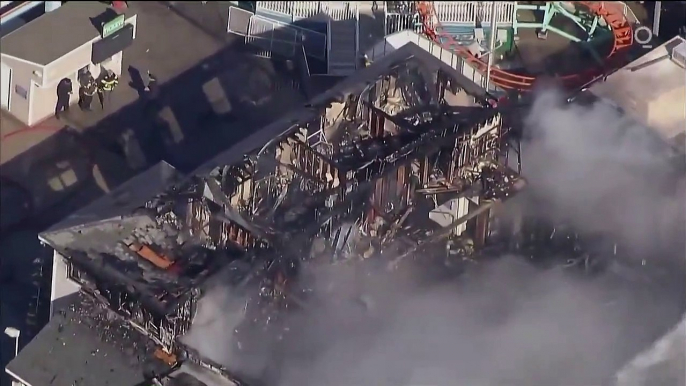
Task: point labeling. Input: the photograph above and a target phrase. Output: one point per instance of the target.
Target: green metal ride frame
(589, 23)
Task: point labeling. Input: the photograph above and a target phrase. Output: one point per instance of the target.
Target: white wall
(61, 285)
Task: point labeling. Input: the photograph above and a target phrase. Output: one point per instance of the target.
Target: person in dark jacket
(87, 90)
(64, 91)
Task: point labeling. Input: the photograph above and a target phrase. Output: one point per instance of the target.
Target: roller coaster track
(610, 11)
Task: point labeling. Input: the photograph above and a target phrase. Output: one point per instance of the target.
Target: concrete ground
(212, 93)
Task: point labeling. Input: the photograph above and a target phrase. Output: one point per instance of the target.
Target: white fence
(394, 22)
(467, 12)
(295, 10)
(463, 13)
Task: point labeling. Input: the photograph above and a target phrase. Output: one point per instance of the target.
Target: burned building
(406, 155)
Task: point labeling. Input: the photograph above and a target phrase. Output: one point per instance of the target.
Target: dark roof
(55, 33)
(123, 200)
(87, 345)
(352, 84)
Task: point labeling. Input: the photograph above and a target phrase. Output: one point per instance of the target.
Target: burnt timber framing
(384, 149)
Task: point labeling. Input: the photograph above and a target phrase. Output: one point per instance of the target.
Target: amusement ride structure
(599, 13)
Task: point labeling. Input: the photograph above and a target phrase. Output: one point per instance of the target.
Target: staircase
(341, 18)
(342, 47)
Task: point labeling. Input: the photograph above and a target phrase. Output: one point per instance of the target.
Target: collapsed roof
(388, 149)
(85, 344)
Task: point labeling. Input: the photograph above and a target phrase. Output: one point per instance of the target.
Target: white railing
(395, 41)
(305, 9)
(456, 11)
(629, 13)
(506, 12)
(466, 12)
(394, 22)
(336, 10)
(283, 7)
(340, 10)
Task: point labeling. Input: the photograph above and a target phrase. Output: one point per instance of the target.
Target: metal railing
(336, 10)
(270, 36)
(629, 13)
(467, 12)
(282, 7)
(305, 9)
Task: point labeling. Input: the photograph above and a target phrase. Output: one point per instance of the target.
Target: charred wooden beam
(313, 164)
(393, 118)
(220, 198)
(446, 231)
(427, 142)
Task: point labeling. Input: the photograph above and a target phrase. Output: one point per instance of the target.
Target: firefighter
(106, 85)
(64, 91)
(86, 92)
(364, 61)
(152, 88)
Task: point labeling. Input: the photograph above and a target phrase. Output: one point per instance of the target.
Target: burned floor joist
(406, 152)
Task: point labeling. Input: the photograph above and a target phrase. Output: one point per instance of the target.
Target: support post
(357, 32)
(491, 48)
(656, 18)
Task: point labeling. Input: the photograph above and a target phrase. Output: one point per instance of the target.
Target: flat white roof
(652, 89)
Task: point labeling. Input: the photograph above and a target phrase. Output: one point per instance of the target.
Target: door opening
(5, 86)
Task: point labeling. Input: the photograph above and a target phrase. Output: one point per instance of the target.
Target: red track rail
(608, 10)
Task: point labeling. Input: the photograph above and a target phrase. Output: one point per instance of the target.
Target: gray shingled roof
(54, 34)
(86, 345)
(123, 200)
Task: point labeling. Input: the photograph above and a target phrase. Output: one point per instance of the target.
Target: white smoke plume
(506, 322)
(603, 171)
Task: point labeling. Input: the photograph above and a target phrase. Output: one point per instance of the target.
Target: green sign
(113, 25)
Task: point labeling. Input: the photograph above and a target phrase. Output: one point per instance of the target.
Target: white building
(652, 90)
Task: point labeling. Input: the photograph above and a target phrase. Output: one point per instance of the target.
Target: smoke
(661, 364)
(504, 322)
(218, 314)
(602, 171)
